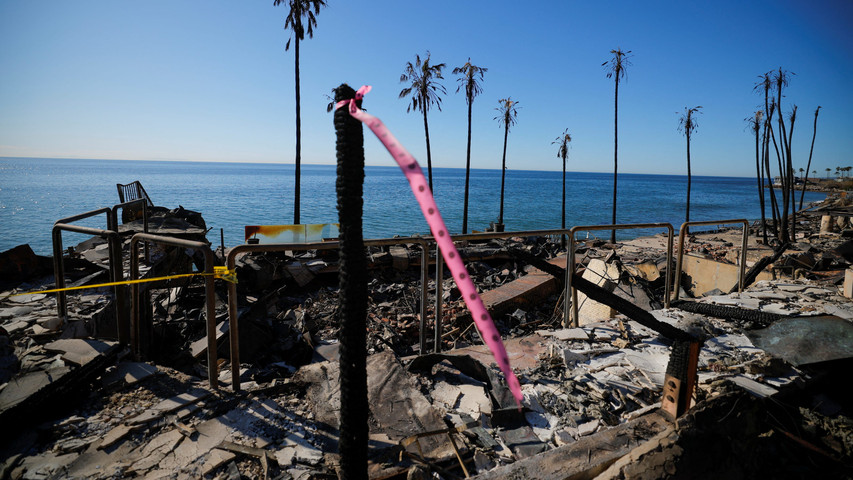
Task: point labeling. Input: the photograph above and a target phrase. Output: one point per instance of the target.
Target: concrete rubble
(770, 401)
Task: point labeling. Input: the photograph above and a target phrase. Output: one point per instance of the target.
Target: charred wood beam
(601, 295)
(727, 312)
(760, 265)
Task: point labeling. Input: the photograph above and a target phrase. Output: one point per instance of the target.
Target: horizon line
(367, 165)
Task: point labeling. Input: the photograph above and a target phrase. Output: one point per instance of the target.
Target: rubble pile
(76, 404)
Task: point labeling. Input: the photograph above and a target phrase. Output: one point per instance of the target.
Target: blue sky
(211, 81)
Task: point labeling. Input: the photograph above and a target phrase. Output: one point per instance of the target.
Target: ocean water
(34, 193)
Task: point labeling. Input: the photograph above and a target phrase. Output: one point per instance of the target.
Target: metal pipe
(58, 266)
(210, 312)
(144, 219)
(571, 316)
(231, 261)
(114, 261)
(424, 288)
(439, 293)
(81, 216)
(123, 327)
(682, 232)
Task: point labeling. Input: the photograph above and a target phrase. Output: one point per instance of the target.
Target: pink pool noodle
(420, 188)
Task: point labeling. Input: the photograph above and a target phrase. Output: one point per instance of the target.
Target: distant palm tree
(424, 89)
(827, 172)
(687, 124)
(470, 78)
(616, 70)
(508, 110)
(563, 152)
(301, 19)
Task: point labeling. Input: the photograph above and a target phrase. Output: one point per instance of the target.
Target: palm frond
(423, 83)
(470, 77)
(508, 112)
(299, 9)
(563, 141)
(616, 66)
(687, 122)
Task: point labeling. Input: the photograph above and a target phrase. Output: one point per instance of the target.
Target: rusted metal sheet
(805, 340)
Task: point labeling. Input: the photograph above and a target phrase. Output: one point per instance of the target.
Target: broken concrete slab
(170, 405)
(584, 458)
(128, 373)
(79, 351)
(604, 275)
(528, 290)
(390, 386)
(566, 334)
(758, 389)
(706, 274)
(22, 388)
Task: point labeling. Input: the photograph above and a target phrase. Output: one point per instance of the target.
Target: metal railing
(571, 316)
(114, 259)
(210, 310)
(129, 203)
(230, 263)
(116, 269)
(683, 231)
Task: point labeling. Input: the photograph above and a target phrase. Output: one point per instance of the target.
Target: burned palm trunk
(680, 379)
(353, 291)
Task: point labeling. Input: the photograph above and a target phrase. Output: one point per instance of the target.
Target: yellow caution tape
(218, 272)
(225, 274)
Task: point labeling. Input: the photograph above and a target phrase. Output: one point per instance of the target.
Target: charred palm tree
(616, 70)
(764, 85)
(811, 150)
(687, 124)
(508, 111)
(563, 152)
(301, 19)
(470, 78)
(755, 126)
(781, 79)
(424, 90)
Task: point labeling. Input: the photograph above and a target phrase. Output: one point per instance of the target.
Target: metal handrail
(114, 217)
(230, 263)
(572, 293)
(682, 232)
(210, 312)
(58, 264)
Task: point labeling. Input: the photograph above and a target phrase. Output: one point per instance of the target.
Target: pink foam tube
(420, 188)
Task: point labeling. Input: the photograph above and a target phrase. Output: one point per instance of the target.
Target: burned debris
(75, 402)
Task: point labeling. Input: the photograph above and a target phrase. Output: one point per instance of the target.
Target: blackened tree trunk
(760, 178)
(467, 172)
(615, 154)
(811, 150)
(563, 223)
(353, 291)
(503, 175)
(429, 156)
(298, 166)
(689, 178)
